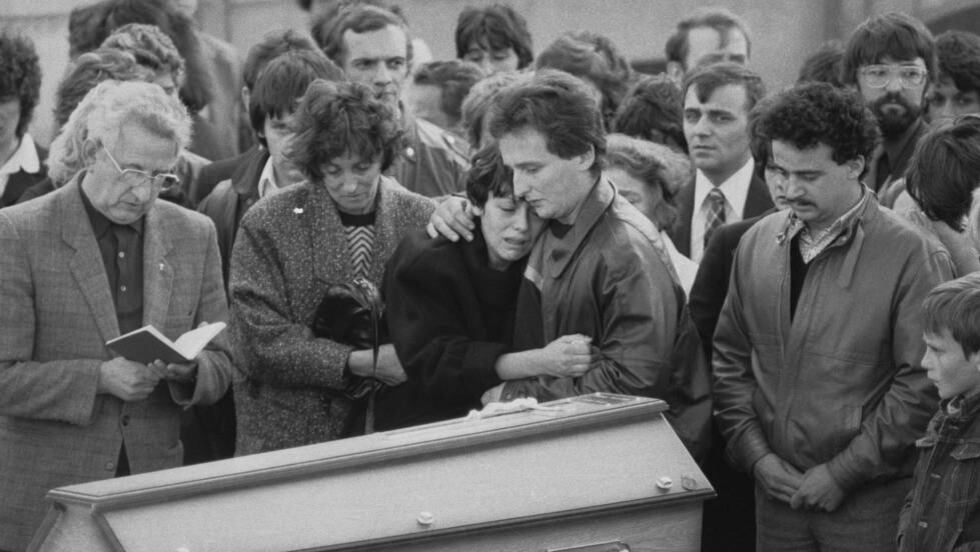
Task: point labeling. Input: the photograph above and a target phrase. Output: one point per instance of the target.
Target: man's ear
(89, 149)
(587, 159)
(675, 72)
(855, 167)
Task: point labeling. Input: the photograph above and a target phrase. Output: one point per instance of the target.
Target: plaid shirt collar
(812, 244)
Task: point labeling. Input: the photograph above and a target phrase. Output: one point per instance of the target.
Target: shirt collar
(267, 180)
(838, 232)
(735, 188)
(24, 158)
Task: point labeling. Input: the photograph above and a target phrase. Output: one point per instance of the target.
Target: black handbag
(352, 314)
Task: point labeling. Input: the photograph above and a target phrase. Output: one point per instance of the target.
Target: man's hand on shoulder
(452, 218)
(779, 480)
(128, 380)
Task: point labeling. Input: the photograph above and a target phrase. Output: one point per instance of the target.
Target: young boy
(942, 513)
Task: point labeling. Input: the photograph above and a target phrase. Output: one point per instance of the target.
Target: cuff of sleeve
(846, 478)
(480, 360)
(182, 393)
(748, 449)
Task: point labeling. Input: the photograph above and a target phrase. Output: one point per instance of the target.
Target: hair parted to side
(151, 48)
(722, 20)
(282, 84)
(894, 35)
(662, 169)
(818, 113)
(116, 104)
(558, 106)
(944, 171)
(88, 70)
(342, 118)
(706, 79)
(494, 27)
(652, 110)
(488, 175)
(272, 45)
(360, 18)
(954, 306)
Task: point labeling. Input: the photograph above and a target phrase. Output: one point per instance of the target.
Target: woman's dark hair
(944, 171)
(653, 110)
(342, 118)
(20, 77)
(558, 106)
(495, 27)
(283, 82)
(91, 25)
(594, 58)
(488, 175)
(273, 45)
(87, 71)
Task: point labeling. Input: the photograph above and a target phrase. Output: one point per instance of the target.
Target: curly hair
(495, 27)
(454, 78)
(65, 156)
(151, 48)
(895, 35)
(594, 58)
(818, 113)
(488, 175)
(342, 118)
(652, 110)
(20, 76)
(477, 105)
(944, 171)
(90, 69)
(558, 106)
(959, 59)
(662, 169)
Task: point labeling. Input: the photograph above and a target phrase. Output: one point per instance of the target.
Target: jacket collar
(245, 179)
(593, 207)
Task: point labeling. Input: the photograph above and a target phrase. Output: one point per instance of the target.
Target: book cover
(148, 344)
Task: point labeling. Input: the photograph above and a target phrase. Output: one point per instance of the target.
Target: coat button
(110, 466)
(923, 524)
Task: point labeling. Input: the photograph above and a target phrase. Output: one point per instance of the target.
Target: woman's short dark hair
(488, 175)
(944, 171)
(653, 110)
(495, 27)
(273, 45)
(819, 113)
(283, 82)
(20, 76)
(342, 118)
(558, 106)
(895, 35)
(959, 59)
(596, 59)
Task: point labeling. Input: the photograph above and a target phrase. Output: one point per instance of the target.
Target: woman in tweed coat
(343, 223)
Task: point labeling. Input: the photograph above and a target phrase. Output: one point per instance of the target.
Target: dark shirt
(894, 155)
(122, 254)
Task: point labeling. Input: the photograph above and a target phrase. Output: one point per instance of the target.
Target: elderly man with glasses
(93, 260)
(889, 59)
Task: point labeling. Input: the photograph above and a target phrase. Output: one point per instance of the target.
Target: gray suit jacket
(57, 313)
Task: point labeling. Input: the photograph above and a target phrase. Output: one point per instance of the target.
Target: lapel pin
(298, 210)
(162, 267)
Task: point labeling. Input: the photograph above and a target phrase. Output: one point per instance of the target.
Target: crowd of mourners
(394, 241)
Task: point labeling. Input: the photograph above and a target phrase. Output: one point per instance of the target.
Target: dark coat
(450, 316)
(757, 201)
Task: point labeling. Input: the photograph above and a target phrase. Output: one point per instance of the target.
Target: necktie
(716, 213)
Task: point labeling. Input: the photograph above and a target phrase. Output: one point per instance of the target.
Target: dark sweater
(450, 316)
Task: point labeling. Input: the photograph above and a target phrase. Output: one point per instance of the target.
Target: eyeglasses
(878, 76)
(160, 181)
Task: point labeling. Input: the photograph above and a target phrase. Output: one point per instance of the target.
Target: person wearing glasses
(889, 59)
(93, 260)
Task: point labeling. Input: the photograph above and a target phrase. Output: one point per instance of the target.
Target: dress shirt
(736, 189)
(24, 159)
(267, 180)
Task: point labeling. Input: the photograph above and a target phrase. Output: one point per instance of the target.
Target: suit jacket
(757, 202)
(55, 428)
(20, 181)
(219, 171)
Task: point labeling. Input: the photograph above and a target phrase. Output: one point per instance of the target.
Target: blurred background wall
(784, 32)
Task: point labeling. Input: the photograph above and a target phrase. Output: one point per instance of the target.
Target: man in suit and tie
(95, 259)
(20, 88)
(717, 101)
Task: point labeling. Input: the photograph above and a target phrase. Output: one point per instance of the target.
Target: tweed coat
(57, 313)
(291, 246)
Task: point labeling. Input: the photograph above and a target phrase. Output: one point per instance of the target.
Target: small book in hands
(147, 344)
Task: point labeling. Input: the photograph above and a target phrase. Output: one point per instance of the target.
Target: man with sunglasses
(889, 59)
(91, 261)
